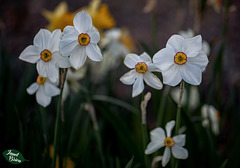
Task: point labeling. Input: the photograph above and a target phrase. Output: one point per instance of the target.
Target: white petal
(201, 60)
(52, 72)
(62, 62)
(166, 156)
(69, 40)
(164, 58)
(206, 48)
(32, 88)
(42, 39)
(172, 76)
(54, 40)
(157, 134)
(94, 52)
(191, 74)
(153, 68)
(129, 77)
(82, 22)
(42, 68)
(179, 152)
(131, 60)
(152, 80)
(94, 35)
(138, 85)
(179, 139)
(153, 146)
(30, 54)
(78, 57)
(192, 46)
(43, 99)
(169, 126)
(175, 42)
(50, 89)
(145, 57)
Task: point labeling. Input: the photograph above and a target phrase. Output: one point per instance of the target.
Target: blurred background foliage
(102, 122)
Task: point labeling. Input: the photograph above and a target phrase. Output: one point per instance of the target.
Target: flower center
(141, 67)
(84, 39)
(169, 142)
(180, 58)
(41, 80)
(46, 55)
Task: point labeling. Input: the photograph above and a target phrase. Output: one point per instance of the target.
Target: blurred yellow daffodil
(61, 17)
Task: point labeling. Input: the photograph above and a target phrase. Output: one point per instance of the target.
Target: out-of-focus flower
(181, 59)
(59, 18)
(45, 52)
(101, 17)
(210, 117)
(44, 90)
(80, 41)
(189, 33)
(143, 68)
(216, 4)
(66, 161)
(193, 99)
(72, 81)
(151, 4)
(172, 145)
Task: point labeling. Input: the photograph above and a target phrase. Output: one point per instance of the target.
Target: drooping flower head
(172, 145)
(45, 52)
(142, 68)
(80, 41)
(182, 59)
(44, 90)
(211, 117)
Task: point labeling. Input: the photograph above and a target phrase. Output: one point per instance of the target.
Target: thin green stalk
(178, 118)
(162, 106)
(58, 124)
(144, 102)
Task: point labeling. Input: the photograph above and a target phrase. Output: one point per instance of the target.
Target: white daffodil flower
(172, 145)
(210, 115)
(45, 52)
(181, 59)
(143, 68)
(44, 90)
(189, 33)
(80, 41)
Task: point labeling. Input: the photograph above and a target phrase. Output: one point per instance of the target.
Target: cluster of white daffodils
(172, 145)
(181, 59)
(51, 51)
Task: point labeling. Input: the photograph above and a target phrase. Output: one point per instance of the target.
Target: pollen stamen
(180, 58)
(46, 55)
(84, 39)
(169, 142)
(41, 80)
(141, 67)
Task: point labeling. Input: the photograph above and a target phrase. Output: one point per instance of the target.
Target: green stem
(162, 106)
(56, 133)
(144, 130)
(58, 124)
(178, 118)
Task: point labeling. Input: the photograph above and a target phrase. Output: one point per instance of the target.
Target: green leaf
(129, 165)
(224, 164)
(13, 156)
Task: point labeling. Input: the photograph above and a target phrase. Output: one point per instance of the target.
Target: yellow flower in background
(66, 161)
(59, 18)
